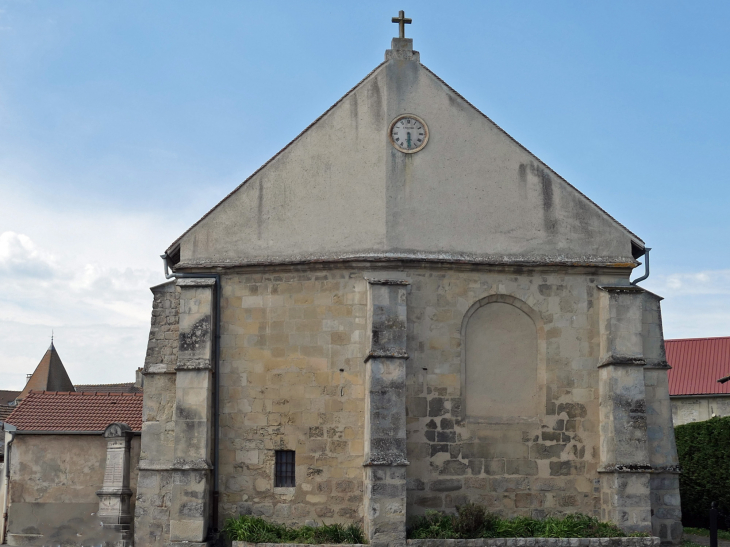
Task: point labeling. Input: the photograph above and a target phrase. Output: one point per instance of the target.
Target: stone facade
(297, 357)
(293, 377)
(421, 329)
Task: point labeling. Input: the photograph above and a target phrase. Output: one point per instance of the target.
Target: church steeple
(49, 375)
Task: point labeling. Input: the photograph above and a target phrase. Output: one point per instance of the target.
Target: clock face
(408, 133)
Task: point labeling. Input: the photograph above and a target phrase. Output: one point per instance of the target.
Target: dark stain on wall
(197, 337)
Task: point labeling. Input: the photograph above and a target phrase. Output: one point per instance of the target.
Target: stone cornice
(418, 256)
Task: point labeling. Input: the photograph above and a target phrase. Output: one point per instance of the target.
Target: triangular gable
(340, 191)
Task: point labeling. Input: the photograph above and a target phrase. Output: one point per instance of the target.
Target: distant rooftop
(697, 365)
(7, 396)
(73, 411)
(128, 387)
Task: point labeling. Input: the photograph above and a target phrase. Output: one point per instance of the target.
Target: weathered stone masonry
(301, 370)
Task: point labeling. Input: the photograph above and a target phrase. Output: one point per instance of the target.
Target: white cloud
(695, 305)
(86, 276)
(20, 256)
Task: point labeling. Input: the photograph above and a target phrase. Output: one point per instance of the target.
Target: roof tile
(74, 411)
(697, 365)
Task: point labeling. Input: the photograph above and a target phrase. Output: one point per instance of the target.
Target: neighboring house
(57, 454)
(6, 397)
(697, 366)
(404, 310)
(56, 457)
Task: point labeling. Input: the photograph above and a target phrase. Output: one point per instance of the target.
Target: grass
(258, 530)
(474, 521)
(721, 534)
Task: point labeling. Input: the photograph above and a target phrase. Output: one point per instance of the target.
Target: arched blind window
(500, 363)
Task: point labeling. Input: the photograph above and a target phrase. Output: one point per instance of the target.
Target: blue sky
(121, 123)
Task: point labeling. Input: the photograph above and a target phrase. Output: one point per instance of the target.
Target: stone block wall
(547, 464)
(293, 378)
(163, 340)
(154, 491)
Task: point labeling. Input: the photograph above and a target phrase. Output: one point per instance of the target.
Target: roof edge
(518, 143)
(697, 339)
(64, 432)
(176, 243)
(416, 256)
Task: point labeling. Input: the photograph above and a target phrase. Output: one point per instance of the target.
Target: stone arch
(502, 361)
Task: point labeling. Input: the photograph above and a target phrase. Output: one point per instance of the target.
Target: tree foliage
(704, 454)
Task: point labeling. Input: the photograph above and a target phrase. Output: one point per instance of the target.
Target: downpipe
(646, 267)
(6, 502)
(213, 528)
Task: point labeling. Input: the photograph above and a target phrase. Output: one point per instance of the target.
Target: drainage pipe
(646, 267)
(216, 382)
(6, 502)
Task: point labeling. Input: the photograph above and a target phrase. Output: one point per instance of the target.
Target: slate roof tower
(49, 375)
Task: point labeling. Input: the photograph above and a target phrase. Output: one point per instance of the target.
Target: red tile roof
(697, 365)
(71, 411)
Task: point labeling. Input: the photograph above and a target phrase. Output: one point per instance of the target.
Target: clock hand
(409, 140)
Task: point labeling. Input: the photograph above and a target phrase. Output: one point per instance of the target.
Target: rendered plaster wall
(698, 409)
(53, 484)
(316, 199)
(293, 377)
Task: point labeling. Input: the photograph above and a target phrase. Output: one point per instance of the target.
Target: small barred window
(284, 470)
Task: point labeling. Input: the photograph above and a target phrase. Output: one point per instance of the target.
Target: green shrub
(258, 530)
(473, 521)
(704, 454)
(721, 534)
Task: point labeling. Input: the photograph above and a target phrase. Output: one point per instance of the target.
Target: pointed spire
(49, 375)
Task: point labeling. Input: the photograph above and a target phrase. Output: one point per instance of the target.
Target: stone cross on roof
(402, 22)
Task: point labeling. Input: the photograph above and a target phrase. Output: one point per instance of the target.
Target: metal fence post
(713, 524)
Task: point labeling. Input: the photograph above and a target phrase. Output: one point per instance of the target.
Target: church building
(404, 309)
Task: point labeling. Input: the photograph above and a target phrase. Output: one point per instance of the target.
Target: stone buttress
(177, 438)
(385, 414)
(638, 456)
(192, 468)
(154, 487)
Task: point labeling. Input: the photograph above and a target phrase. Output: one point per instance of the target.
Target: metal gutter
(216, 382)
